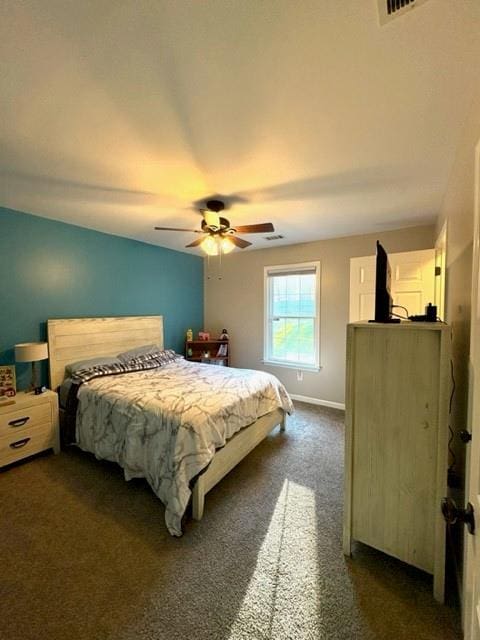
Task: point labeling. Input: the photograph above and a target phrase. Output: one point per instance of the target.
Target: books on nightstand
(8, 389)
(222, 362)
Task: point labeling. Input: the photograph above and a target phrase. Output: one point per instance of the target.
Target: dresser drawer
(30, 441)
(20, 419)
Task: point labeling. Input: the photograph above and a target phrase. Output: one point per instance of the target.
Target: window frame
(267, 305)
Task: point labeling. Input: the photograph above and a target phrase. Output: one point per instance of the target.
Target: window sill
(297, 367)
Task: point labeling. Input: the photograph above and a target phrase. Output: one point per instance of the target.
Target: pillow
(86, 364)
(144, 350)
(163, 357)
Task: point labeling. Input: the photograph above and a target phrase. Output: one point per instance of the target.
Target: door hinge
(438, 271)
(452, 514)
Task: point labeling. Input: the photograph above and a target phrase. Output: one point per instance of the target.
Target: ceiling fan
(218, 236)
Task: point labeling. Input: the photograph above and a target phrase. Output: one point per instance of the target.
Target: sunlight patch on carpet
(282, 597)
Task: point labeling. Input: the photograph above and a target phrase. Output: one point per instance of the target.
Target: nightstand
(28, 426)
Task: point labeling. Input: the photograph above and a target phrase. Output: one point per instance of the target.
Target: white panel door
(362, 288)
(440, 268)
(471, 586)
(412, 285)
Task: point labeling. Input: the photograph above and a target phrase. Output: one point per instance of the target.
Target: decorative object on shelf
(189, 335)
(189, 352)
(224, 335)
(222, 351)
(203, 335)
(40, 390)
(32, 352)
(8, 387)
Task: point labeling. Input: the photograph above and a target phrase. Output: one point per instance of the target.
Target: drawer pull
(19, 444)
(19, 422)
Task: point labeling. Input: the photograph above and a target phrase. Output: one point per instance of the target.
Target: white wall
(236, 302)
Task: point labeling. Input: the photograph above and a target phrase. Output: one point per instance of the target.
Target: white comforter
(165, 424)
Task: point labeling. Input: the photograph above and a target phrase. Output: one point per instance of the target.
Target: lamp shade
(210, 246)
(226, 245)
(31, 351)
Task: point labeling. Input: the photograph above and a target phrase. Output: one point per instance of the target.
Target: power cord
(452, 434)
(398, 316)
(399, 306)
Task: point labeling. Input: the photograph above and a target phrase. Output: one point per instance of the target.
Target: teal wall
(54, 270)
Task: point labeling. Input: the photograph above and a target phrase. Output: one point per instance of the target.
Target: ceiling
(118, 115)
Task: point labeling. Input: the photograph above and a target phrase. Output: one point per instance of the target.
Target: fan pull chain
(220, 252)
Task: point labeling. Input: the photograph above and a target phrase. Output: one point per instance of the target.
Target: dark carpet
(85, 555)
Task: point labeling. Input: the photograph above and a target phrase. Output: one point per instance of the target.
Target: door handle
(452, 514)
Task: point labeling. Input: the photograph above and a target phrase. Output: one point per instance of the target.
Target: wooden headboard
(76, 339)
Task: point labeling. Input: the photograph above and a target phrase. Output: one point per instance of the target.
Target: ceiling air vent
(274, 237)
(390, 9)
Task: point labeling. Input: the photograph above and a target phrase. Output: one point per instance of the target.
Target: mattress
(63, 392)
(165, 424)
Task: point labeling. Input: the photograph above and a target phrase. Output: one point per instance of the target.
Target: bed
(183, 426)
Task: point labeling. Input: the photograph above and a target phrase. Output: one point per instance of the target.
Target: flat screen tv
(383, 299)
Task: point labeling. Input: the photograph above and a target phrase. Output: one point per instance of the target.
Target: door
(440, 267)
(471, 618)
(412, 285)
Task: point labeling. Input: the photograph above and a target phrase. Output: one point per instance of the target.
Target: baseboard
(323, 403)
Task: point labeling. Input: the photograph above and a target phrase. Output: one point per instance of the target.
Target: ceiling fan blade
(195, 243)
(265, 227)
(239, 242)
(175, 229)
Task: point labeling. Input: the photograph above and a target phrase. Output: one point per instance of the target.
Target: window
(292, 315)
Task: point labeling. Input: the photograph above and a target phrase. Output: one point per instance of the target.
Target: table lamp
(32, 352)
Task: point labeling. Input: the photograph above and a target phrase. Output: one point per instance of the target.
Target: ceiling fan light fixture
(210, 246)
(212, 219)
(226, 245)
(219, 237)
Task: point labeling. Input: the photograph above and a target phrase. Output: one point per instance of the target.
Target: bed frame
(76, 339)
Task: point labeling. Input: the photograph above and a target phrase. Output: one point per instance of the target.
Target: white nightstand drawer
(21, 445)
(17, 420)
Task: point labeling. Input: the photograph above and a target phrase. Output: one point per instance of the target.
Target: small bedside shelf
(201, 342)
(199, 347)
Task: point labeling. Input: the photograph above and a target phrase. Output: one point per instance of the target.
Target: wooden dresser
(28, 426)
(396, 441)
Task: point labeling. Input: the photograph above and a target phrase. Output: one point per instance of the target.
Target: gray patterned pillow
(144, 350)
(142, 363)
(87, 364)
(161, 357)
